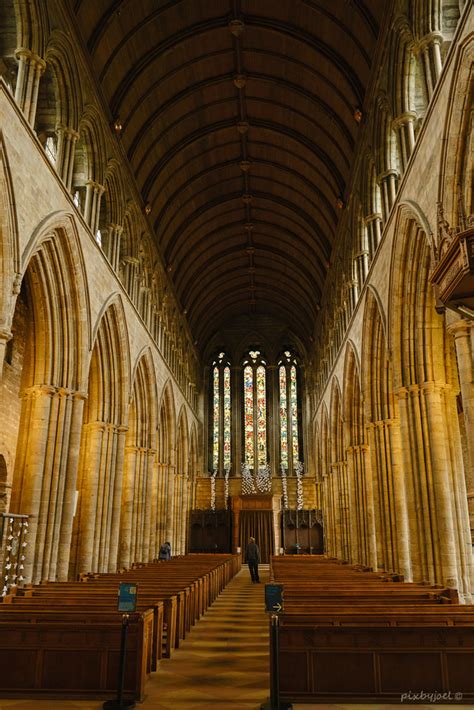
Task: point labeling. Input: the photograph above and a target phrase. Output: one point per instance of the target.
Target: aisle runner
(224, 661)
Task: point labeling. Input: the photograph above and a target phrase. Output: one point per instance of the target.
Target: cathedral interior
(237, 285)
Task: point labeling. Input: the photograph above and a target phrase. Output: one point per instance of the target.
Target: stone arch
(387, 517)
(456, 190)
(327, 500)
(97, 522)
(4, 486)
(90, 164)
(356, 455)
(193, 464)
(181, 488)
(52, 392)
(111, 214)
(61, 62)
(338, 467)
(9, 41)
(33, 25)
(139, 490)
(60, 53)
(49, 109)
(426, 388)
(385, 154)
(9, 250)
(166, 459)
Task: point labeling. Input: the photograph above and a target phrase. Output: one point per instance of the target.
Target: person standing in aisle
(252, 554)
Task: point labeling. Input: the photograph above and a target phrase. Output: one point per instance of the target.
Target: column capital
(373, 217)
(6, 334)
(28, 55)
(387, 174)
(424, 42)
(460, 328)
(39, 390)
(403, 119)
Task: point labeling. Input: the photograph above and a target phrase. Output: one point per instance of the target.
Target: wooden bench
(345, 640)
(46, 615)
(54, 656)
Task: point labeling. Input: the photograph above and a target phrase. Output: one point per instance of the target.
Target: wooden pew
(345, 640)
(46, 615)
(61, 657)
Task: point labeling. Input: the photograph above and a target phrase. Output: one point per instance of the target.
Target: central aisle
(224, 660)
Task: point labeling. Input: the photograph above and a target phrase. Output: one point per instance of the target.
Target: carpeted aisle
(224, 661)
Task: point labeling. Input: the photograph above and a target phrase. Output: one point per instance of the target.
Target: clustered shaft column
(67, 139)
(45, 477)
(30, 70)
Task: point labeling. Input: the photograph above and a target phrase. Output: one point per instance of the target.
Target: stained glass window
(255, 411)
(289, 427)
(248, 415)
(220, 453)
(283, 419)
(294, 414)
(261, 417)
(227, 418)
(216, 421)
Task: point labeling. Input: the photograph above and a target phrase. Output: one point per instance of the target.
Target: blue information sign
(274, 598)
(127, 596)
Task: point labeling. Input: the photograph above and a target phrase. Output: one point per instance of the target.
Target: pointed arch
(426, 386)
(352, 398)
(97, 522)
(139, 495)
(52, 387)
(9, 246)
(456, 189)
(60, 53)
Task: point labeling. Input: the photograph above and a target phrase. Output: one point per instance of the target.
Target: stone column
(374, 232)
(362, 267)
(5, 336)
(404, 127)
(30, 69)
(70, 485)
(94, 193)
(149, 456)
(463, 333)
(67, 138)
(92, 449)
(130, 459)
(429, 51)
(29, 467)
(431, 490)
(112, 246)
(170, 512)
(388, 186)
(130, 274)
(54, 492)
(370, 537)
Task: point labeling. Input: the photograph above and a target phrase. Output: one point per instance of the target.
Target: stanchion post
(275, 703)
(119, 703)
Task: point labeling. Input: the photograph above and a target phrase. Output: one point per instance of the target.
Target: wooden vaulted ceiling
(238, 122)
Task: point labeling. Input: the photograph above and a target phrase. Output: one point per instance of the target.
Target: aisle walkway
(224, 661)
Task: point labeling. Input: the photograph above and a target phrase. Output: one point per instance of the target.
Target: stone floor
(222, 664)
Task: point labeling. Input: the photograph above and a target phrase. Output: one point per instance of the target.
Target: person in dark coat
(252, 554)
(165, 551)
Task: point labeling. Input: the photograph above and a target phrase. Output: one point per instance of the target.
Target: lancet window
(255, 411)
(221, 415)
(289, 412)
